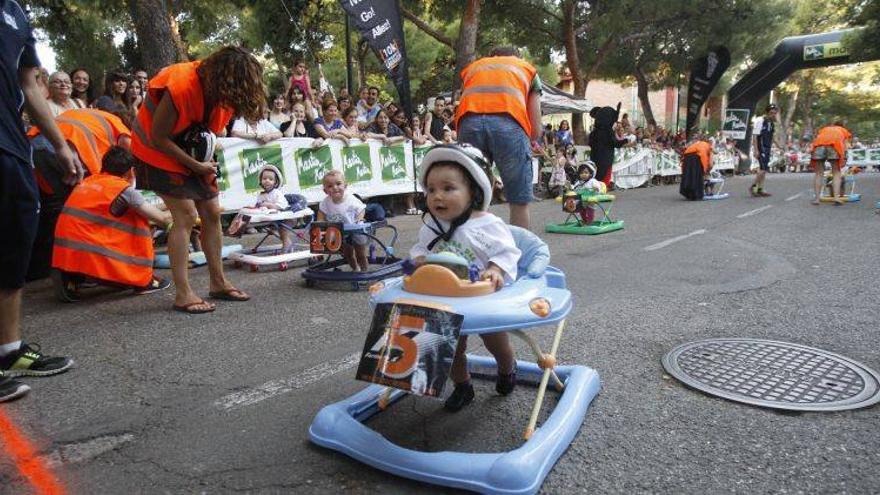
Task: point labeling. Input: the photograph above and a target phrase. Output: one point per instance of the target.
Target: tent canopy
(554, 100)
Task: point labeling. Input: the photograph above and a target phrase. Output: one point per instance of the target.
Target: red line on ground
(19, 448)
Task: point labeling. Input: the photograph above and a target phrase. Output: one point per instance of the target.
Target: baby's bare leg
(348, 254)
(499, 345)
(459, 372)
(360, 251)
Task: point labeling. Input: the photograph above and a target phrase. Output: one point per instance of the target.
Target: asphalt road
(161, 402)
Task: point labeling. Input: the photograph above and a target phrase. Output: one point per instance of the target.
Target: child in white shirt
(272, 198)
(458, 195)
(586, 179)
(341, 207)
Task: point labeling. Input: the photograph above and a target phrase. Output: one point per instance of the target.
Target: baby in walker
(458, 194)
(272, 199)
(587, 182)
(346, 208)
(713, 184)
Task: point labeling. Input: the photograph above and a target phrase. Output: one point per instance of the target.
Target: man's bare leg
(10, 315)
(519, 215)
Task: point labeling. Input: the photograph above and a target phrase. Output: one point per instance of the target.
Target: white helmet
(277, 172)
(198, 142)
(469, 157)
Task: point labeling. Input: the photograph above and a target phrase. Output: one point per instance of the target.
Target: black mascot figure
(603, 141)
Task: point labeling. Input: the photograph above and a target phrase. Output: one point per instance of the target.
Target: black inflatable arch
(791, 54)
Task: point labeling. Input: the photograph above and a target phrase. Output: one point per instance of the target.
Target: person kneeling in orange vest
(103, 232)
(696, 163)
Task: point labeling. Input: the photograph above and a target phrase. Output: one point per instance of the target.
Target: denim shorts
(502, 140)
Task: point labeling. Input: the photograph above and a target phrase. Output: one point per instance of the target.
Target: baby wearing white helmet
(458, 195)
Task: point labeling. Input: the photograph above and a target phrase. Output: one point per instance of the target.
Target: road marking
(19, 448)
(796, 196)
(272, 388)
(755, 211)
(83, 451)
(667, 242)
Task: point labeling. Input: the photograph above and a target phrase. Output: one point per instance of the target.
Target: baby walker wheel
(254, 268)
(282, 266)
(310, 283)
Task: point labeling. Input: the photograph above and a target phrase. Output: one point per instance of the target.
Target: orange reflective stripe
(84, 129)
(494, 90)
(108, 129)
(124, 227)
(103, 251)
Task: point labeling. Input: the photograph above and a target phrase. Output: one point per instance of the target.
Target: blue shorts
(502, 140)
(764, 160)
(20, 207)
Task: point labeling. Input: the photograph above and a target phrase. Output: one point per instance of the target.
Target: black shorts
(19, 217)
(764, 160)
(181, 186)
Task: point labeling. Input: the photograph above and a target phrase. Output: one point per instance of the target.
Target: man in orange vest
(500, 113)
(696, 163)
(89, 133)
(830, 144)
(103, 232)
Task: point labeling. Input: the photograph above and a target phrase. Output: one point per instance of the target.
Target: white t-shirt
(346, 212)
(481, 240)
(274, 197)
(262, 127)
(591, 184)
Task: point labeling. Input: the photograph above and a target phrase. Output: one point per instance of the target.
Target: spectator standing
(763, 142)
(563, 135)
(260, 130)
(344, 103)
(19, 69)
(300, 79)
(115, 86)
(500, 113)
(134, 96)
(382, 128)
(82, 89)
(300, 126)
(295, 95)
(329, 121)
(229, 82)
(140, 76)
(350, 129)
(60, 89)
(370, 108)
(434, 119)
(549, 138)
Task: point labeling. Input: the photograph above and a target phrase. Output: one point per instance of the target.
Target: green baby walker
(581, 207)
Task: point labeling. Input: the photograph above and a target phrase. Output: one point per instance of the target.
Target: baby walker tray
(713, 182)
(531, 301)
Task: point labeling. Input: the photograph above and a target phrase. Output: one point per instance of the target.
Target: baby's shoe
(460, 397)
(504, 384)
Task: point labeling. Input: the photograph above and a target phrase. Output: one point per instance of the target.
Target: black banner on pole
(379, 23)
(705, 74)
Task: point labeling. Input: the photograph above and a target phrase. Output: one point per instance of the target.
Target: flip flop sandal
(192, 310)
(232, 294)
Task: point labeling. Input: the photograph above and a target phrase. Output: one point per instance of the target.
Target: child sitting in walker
(586, 180)
(272, 199)
(458, 194)
(346, 208)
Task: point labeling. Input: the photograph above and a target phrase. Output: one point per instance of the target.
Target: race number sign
(325, 237)
(410, 347)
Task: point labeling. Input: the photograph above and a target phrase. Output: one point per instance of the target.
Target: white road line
(272, 388)
(755, 211)
(796, 196)
(667, 242)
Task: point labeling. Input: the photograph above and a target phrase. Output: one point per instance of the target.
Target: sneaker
(504, 384)
(29, 361)
(460, 397)
(11, 389)
(764, 194)
(64, 286)
(155, 285)
(754, 191)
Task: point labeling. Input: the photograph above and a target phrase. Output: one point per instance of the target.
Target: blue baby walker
(537, 298)
(328, 239)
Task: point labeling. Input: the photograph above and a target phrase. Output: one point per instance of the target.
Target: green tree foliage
(865, 14)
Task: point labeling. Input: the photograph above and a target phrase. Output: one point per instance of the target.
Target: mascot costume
(603, 141)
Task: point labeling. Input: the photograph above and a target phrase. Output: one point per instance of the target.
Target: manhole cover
(774, 374)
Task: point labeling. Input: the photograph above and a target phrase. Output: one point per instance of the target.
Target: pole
(349, 81)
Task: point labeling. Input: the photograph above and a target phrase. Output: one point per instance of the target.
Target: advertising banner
(705, 73)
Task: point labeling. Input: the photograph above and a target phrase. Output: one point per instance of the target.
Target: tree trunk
(155, 38)
(642, 84)
(361, 55)
(179, 43)
(466, 46)
(785, 125)
(573, 62)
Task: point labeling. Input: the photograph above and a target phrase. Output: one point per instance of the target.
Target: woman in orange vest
(103, 232)
(696, 162)
(830, 144)
(180, 97)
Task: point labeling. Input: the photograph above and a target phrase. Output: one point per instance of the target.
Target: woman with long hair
(183, 97)
(279, 115)
(383, 129)
(115, 88)
(134, 96)
(296, 95)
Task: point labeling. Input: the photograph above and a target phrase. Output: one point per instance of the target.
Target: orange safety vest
(834, 136)
(497, 85)
(91, 241)
(704, 150)
(181, 81)
(91, 132)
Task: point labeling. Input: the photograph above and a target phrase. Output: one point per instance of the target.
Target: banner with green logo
(311, 165)
(252, 162)
(356, 163)
(393, 162)
(418, 154)
(225, 171)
